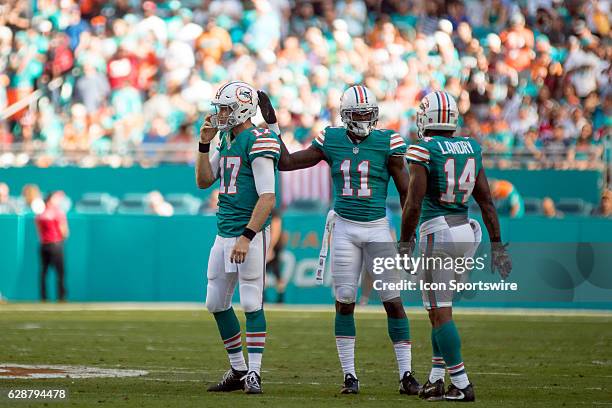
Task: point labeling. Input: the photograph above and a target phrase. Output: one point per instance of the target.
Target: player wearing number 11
(362, 160)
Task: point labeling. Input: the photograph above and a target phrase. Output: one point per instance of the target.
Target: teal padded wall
(149, 258)
(180, 178)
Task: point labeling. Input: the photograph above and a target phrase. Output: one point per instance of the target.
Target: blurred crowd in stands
(120, 80)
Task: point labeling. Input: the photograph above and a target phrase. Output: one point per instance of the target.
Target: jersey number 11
(363, 168)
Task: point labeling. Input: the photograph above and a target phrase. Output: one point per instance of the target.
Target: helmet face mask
(420, 119)
(359, 110)
(360, 122)
(224, 118)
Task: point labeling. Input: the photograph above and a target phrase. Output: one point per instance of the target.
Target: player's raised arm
(299, 160)
(417, 187)
(288, 161)
(482, 194)
(206, 168)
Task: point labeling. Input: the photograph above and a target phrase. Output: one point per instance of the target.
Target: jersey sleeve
(265, 144)
(418, 154)
(319, 141)
(397, 146)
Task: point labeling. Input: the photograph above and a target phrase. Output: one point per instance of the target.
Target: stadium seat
(308, 205)
(533, 206)
(133, 203)
(184, 203)
(574, 206)
(97, 203)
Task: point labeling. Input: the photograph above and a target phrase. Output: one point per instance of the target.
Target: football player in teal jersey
(245, 162)
(445, 170)
(362, 160)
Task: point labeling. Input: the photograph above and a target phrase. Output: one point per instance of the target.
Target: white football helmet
(437, 111)
(359, 101)
(242, 100)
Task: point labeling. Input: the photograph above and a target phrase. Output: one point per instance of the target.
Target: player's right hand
(267, 111)
(500, 260)
(207, 131)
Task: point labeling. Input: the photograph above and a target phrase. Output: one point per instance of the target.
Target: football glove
(267, 111)
(500, 260)
(407, 249)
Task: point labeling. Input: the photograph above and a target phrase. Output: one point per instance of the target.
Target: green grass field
(524, 360)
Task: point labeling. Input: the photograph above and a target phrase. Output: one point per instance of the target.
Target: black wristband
(204, 147)
(249, 233)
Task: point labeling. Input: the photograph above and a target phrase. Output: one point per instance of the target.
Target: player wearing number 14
(362, 160)
(445, 171)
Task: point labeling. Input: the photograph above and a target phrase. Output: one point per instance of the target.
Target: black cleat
(409, 385)
(252, 383)
(454, 394)
(232, 381)
(350, 386)
(432, 391)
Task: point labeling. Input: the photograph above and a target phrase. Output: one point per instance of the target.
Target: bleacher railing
(37, 153)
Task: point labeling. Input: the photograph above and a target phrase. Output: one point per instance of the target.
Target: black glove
(267, 111)
(500, 260)
(407, 248)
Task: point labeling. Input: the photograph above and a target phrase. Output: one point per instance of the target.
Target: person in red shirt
(52, 229)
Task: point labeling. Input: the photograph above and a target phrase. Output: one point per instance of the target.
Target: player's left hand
(500, 260)
(240, 250)
(267, 111)
(407, 249)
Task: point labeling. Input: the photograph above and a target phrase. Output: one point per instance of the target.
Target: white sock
(233, 346)
(437, 369)
(255, 346)
(403, 354)
(458, 375)
(346, 354)
(255, 362)
(237, 361)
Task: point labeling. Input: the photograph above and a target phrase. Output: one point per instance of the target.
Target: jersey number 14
(467, 179)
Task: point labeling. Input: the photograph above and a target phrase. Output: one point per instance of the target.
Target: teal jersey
(237, 192)
(359, 170)
(452, 165)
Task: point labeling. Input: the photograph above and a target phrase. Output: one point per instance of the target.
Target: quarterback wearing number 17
(362, 161)
(245, 163)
